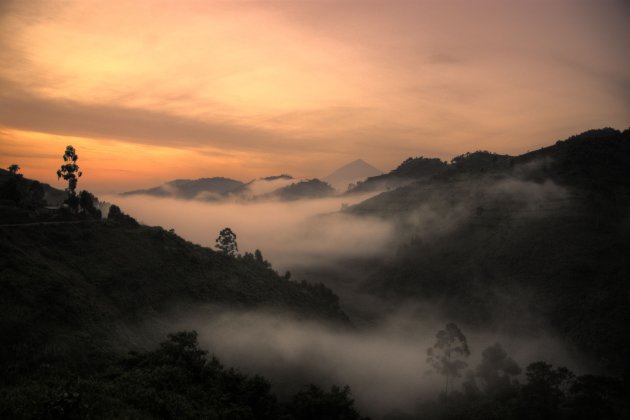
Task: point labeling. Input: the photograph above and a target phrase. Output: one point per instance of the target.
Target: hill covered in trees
(70, 283)
(525, 242)
(312, 188)
(280, 187)
(175, 381)
(27, 193)
(78, 291)
(532, 243)
(188, 189)
(412, 169)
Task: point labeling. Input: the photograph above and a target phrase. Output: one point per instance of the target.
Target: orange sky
(149, 91)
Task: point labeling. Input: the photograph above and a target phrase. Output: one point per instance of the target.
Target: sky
(152, 90)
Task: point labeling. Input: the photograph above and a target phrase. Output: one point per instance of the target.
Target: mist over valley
(469, 243)
(314, 210)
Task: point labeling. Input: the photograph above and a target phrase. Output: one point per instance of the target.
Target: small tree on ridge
(226, 242)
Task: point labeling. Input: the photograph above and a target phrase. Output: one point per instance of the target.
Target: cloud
(64, 117)
(314, 84)
(383, 358)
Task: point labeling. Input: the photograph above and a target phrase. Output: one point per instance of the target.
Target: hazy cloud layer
(383, 359)
(307, 232)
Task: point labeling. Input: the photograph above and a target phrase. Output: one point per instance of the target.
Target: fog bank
(385, 365)
(288, 233)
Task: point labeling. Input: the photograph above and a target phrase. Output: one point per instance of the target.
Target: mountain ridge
(210, 188)
(501, 239)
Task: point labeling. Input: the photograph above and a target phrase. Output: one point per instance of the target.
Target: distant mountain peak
(357, 170)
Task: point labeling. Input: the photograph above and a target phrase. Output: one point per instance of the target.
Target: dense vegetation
(492, 392)
(19, 194)
(69, 282)
(412, 169)
(499, 389)
(525, 241)
(76, 290)
(174, 381)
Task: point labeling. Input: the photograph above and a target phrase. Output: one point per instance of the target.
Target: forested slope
(70, 287)
(534, 241)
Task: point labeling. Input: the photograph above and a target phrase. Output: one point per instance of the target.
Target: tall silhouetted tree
(226, 242)
(445, 355)
(69, 171)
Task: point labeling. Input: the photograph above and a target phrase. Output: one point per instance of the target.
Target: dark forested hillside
(313, 188)
(503, 245)
(177, 380)
(72, 286)
(412, 169)
(28, 193)
(78, 292)
(506, 240)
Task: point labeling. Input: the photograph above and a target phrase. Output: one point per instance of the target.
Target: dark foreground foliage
(175, 381)
(537, 239)
(492, 392)
(69, 290)
(493, 389)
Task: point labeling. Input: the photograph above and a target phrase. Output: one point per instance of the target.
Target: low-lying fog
(313, 232)
(385, 365)
(383, 360)
(288, 233)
